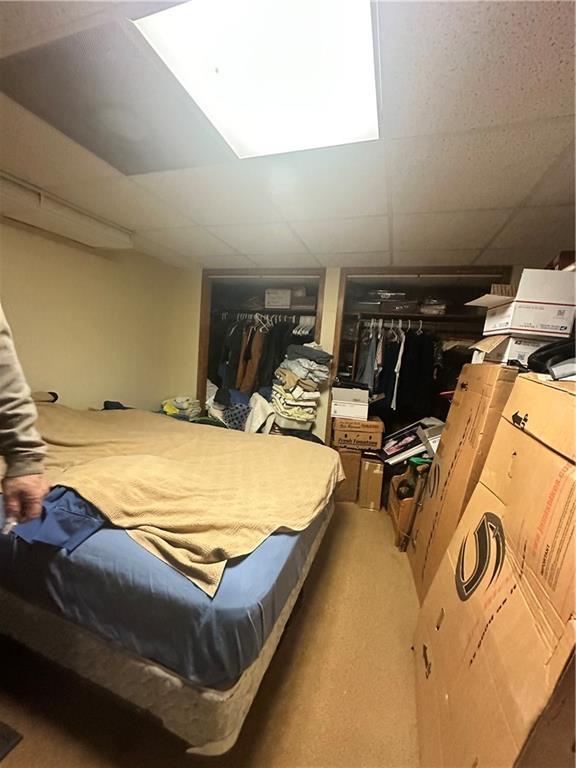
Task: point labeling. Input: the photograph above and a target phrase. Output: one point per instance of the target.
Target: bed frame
(208, 720)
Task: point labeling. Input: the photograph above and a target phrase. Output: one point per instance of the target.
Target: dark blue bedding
(120, 591)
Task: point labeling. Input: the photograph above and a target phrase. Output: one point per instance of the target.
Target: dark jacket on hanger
(416, 383)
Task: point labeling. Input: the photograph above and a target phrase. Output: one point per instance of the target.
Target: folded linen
(311, 352)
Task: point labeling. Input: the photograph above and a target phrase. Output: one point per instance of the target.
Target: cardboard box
(401, 511)
(480, 395)
(361, 435)
(277, 298)
(349, 403)
(543, 306)
(495, 637)
(501, 349)
(348, 488)
(371, 477)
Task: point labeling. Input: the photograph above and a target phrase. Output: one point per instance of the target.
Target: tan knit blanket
(194, 496)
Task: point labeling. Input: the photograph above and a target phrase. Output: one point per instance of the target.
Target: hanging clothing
(365, 373)
(387, 377)
(397, 369)
(416, 382)
(277, 341)
(248, 353)
(249, 365)
(218, 330)
(245, 349)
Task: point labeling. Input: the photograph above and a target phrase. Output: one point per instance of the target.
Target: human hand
(23, 496)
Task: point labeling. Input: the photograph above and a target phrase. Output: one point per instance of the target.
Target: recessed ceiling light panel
(274, 75)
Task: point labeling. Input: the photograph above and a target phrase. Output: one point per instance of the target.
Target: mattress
(116, 589)
(208, 720)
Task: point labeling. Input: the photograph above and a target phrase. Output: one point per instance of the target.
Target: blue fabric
(238, 398)
(117, 589)
(67, 520)
(235, 416)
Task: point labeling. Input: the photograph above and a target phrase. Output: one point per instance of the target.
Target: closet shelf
(416, 316)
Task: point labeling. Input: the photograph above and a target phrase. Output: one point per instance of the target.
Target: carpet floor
(338, 694)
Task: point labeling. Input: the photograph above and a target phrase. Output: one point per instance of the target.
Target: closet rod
(283, 312)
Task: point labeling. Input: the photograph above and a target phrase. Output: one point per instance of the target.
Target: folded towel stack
(295, 392)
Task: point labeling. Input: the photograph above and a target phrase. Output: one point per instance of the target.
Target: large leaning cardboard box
(495, 638)
(348, 488)
(481, 393)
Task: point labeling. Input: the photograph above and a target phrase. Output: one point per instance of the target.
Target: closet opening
(405, 334)
(265, 309)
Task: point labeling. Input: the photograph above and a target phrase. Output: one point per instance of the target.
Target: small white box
(349, 403)
(543, 306)
(277, 298)
(501, 349)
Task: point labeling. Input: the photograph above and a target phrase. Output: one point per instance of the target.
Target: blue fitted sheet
(114, 587)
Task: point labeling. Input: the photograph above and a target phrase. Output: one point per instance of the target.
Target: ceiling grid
(474, 164)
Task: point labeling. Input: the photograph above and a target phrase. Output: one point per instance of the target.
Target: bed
(122, 618)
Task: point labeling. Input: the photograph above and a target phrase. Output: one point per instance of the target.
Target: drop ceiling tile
(260, 239)
(327, 183)
(557, 186)
(446, 231)
(454, 66)
(289, 260)
(234, 261)
(478, 170)
(358, 235)
(434, 258)
(535, 227)
(121, 201)
(212, 195)
(27, 24)
(105, 88)
(144, 245)
(524, 257)
(189, 241)
(35, 152)
(374, 259)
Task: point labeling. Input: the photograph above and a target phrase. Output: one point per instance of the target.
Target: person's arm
(21, 446)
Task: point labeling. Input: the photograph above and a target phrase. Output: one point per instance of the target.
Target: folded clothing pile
(183, 408)
(295, 392)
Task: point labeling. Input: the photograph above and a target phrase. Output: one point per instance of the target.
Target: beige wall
(95, 327)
